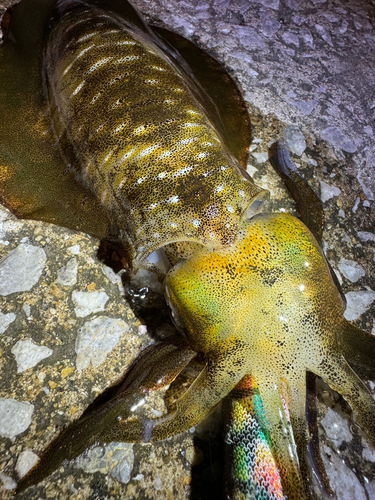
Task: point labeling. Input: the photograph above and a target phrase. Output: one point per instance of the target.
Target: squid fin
(215, 381)
(222, 99)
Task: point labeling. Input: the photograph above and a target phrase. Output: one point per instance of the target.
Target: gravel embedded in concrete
(116, 459)
(21, 269)
(8, 482)
(74, 249)
(343, 481)
(96, 339)
(67, 275)
(336, 427)
(327, 192)
(366, 236)
(357, 303)
(88, 302)
(351, 270)
(28, 354)
(294, 139)
(15, 417)
(26, 461)
(335, 136)
(6, 320)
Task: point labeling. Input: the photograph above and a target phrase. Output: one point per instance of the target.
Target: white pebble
(88, 302)
(357, 303)
(96, 339)
(336, 428)
(335, 136)
(21, 269)
(28, 354)
(67, 275)
(6, 320)
(351, 270)
(26, 461)
(15, 417)
(327, 192)
(74, 249)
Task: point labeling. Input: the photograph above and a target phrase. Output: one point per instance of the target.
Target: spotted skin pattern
(288, 319)
(131, 125)
(133, 128)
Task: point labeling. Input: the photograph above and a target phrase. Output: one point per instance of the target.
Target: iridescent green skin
(134, 130)
(288, 320)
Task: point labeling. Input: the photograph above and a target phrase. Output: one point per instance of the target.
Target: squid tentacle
(100, 422)
(211, 386)
(343, 379)
(358, 348)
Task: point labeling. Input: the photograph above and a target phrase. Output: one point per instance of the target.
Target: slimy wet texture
(141, 150)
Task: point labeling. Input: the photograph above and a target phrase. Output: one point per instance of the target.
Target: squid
(134, 135)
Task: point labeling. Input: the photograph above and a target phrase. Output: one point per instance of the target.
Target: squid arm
(157, 366)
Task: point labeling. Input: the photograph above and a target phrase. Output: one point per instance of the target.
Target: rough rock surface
(302, 63)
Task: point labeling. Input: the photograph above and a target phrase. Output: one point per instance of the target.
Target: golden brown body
(132, 125)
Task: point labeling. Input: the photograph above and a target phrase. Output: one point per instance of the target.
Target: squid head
(268, 306)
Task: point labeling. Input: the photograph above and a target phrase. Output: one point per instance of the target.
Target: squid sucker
(133, 134)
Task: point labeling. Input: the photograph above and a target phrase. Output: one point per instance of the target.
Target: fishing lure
(158, 160)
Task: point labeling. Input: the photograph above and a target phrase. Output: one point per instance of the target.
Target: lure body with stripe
(251, 470)
(133, 128)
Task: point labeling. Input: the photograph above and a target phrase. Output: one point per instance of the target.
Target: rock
(96, 339)
(8, 482)
(370, 488)
(305, 107)
(74, 249)
(366, 236)
(67, 275)
(334, 136)
(158, 483)
(324, 34)
(6, 320)
(20, 270)
(327, 192)
(15, 417)
(351, 270)
(88, 302)
(111, 275)
(28, 354)
(269, 26)
(336, 428)
(26, 461)
(294, 139)
(260, 157)
(290, 38)
(368, 453)
(343, 481)
(271, 4)
(117, 459)
(357, 303)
